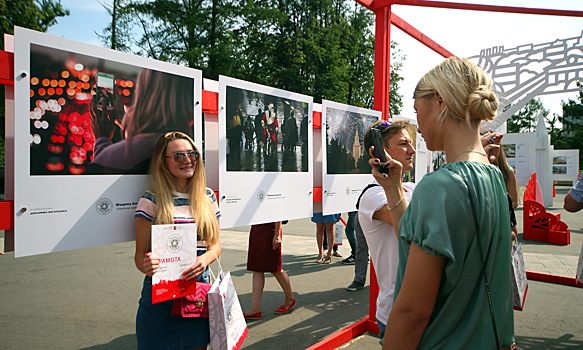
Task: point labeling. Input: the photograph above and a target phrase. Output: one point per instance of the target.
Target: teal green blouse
(439, 220)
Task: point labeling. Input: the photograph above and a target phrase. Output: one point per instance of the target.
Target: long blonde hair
(464, 87)
(163, 102)
(501, 163)
(163, 187)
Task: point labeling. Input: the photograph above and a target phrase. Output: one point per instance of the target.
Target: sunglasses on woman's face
(180, 157)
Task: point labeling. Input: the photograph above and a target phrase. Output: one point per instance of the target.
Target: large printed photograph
(93, 116)
(265, 133)
(345, 168)
(409, 176)
(265, 154)
(345, 151)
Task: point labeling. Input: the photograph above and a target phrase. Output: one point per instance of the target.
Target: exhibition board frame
(343, 128)
(76, 196)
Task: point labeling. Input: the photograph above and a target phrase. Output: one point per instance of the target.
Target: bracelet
(396, 205)
(216, 257)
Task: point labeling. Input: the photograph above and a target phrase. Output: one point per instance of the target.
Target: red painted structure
(384, 19)
(538, 224)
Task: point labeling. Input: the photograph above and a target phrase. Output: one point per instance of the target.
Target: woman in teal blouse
(441, 300)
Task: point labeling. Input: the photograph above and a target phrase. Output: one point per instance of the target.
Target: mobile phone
(105, 80)
(379, 150)
(492, 141)
(105, 84)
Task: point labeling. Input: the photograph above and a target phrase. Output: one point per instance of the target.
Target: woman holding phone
(453, 287)
(163, 102)
(178, 195)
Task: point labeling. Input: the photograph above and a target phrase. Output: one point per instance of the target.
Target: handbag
(519, 281)
(195, 305)
(338, 230)
(226, 321)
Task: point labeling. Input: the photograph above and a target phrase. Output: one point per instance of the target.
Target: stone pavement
(87, 298)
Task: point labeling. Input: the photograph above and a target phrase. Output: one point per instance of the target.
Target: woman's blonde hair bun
(483, 103)
(464, 87)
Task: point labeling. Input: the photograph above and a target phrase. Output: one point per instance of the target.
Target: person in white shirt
(375, 219)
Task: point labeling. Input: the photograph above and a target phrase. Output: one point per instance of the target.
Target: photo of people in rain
(92, 116)
(345, 141)
(409, 176)
(265, 133)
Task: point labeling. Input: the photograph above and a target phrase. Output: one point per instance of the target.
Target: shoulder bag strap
(481, 257)
(362, 193)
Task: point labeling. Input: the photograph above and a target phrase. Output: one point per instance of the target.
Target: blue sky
(464, 33)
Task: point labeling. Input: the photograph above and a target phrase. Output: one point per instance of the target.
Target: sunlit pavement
(87, 298)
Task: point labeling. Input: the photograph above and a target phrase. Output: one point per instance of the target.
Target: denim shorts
(156, 328)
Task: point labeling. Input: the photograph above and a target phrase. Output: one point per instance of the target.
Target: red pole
(382, 79)
(382, 73)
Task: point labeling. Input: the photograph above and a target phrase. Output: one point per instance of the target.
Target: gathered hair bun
(482, 104)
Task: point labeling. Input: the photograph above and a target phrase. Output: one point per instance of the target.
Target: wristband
(396, 205)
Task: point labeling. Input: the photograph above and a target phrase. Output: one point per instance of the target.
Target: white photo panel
(345, 168)
(265, 154)
(82, 149)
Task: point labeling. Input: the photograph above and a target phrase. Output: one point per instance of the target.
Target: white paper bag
(338, 233)
(519, 281)
(226, 321)
(580, 268)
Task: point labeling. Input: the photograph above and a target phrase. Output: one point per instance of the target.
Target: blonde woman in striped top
(178, 195)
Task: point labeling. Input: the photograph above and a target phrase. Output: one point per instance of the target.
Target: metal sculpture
(524, 72)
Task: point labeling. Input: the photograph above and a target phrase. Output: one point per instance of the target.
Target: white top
(382, 244)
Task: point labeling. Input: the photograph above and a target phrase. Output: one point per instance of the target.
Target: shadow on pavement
(536, 343)
(122, 343)
(324, 315)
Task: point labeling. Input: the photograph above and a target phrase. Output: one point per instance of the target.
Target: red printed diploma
(175, 246)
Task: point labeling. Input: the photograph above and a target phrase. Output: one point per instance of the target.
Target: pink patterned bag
(195, 305)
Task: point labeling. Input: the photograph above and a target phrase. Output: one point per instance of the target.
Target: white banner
(265, 154)
(345, 168)
(82, 149)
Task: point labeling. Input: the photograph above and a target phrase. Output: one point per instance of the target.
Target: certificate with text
(175, 245)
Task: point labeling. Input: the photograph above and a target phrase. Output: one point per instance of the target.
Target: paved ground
(87, 298)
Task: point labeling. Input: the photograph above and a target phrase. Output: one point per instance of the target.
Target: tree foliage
(570, 136)
(32, 14)
(527, 117)
(321, 48)
(117, 34)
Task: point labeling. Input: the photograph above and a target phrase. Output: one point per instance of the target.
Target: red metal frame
(6, 68)
(476, 7)
(544, 277)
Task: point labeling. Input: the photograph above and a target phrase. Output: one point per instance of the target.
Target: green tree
(32, 14)
(323, 48)
(118, 34)
(527, 117)
(191, 33)
(571, 134)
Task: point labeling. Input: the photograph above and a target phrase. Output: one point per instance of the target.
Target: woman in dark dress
(264, 255)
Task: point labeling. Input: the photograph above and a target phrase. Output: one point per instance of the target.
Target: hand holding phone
(379, 150)
(105, 83)
(492, 141)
